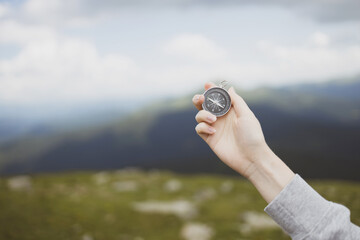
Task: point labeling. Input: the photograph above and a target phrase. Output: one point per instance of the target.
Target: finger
(209, 85)
(205, 116)
(238, 103)
(204, 128)
(198, 101)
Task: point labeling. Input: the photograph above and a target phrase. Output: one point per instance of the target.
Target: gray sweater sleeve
(304, 214)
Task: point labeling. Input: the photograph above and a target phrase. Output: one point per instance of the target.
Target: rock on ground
(125, 186)
(101, 178)
(196, 231)
(172, 185)
(181, 208)
(205, 194)
(19, 183)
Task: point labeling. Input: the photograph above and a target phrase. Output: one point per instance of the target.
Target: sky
(75, 52)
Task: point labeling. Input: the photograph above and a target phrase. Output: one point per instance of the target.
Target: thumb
(238, 103)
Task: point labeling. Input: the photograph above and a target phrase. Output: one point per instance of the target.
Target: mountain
(348, 89)
(316, 132)
(18, 121)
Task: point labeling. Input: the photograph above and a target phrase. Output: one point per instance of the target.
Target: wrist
(258, 160)
(269, 174)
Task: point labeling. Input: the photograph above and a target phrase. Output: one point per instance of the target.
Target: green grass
(88, 206)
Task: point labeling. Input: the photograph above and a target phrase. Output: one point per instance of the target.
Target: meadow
(131, 204)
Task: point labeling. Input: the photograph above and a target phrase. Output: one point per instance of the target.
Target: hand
(238, 140)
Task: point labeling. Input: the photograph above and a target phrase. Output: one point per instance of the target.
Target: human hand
(236, 138)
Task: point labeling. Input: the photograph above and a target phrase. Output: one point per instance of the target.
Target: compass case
(217, 101)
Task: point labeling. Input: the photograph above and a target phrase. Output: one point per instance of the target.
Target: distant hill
(16, 121)
(341, 89)
(315, 129)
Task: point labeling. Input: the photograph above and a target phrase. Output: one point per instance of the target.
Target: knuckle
(201, 126)
(197, 117)
(197, 128)
(200, 116)
(203, 113)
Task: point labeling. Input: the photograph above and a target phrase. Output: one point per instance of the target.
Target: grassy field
(137, 205)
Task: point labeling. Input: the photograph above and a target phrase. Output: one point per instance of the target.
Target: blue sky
(62, 52)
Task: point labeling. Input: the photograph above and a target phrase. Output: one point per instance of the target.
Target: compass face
(217, 101)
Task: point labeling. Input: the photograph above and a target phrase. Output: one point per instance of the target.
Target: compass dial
(217, 101)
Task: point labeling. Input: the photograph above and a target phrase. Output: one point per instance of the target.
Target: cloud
(83, 12)
(17, 33)
(317, 60)
(276, 64)
(54, 68)
(321, 10)
(63, 12)
(195, 47)
(4, 10)
(320, 39)
(52, 65)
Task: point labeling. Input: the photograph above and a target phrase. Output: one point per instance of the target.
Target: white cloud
(321, 10)
(49, 65)
(320, 39)
(54, 68)
(310, 62)
(59, 12)
(17, 33)
(275, 64)
(4, 10)
(194, 46)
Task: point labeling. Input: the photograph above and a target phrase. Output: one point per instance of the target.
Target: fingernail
(211, 118)
(196, 98)
(212, 130)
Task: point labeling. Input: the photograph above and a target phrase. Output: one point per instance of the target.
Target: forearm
(295, 206)
(269, 174)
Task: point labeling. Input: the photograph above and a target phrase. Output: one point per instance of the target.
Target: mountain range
(314, 128)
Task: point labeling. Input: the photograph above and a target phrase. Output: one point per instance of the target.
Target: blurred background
(97, 136)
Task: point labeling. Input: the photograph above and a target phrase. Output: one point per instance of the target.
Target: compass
(217, 100)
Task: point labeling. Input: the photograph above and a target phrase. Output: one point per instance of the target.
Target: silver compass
(217, 100)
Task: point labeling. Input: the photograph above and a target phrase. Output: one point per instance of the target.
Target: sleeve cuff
(298, 208)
